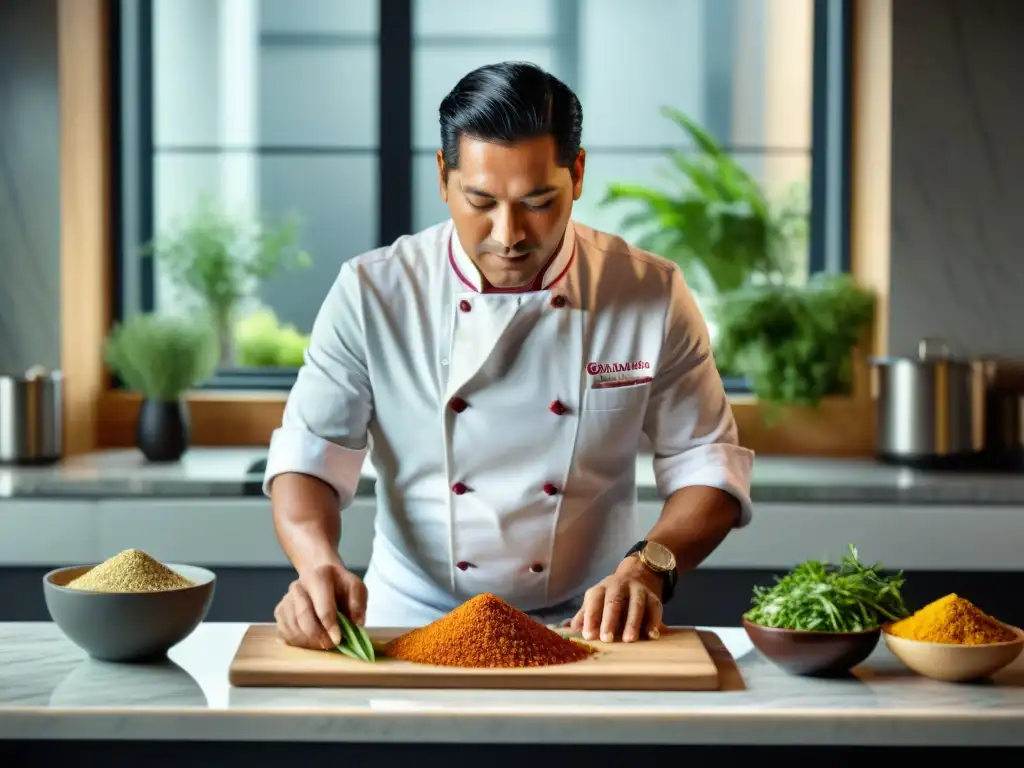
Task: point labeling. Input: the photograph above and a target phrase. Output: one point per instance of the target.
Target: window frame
(396, 149)
(97, 415)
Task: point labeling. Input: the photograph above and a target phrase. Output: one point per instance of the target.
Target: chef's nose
(506, 228)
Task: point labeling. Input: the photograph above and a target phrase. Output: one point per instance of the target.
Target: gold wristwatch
(659, 559)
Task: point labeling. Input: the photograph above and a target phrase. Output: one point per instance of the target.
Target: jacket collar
(469, 276)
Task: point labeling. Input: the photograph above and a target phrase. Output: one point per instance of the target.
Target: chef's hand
(307, 615)
(624, 604)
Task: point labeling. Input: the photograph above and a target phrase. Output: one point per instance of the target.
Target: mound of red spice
(486, 632)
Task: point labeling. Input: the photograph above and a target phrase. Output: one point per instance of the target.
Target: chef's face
(510, 205)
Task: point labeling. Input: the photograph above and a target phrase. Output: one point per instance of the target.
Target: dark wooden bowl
(818, 654)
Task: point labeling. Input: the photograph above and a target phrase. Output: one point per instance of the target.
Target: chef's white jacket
(504, 427)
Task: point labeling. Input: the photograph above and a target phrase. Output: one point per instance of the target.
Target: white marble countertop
(50, 690)
(225, 472)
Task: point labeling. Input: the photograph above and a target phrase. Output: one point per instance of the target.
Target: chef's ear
(442, 176)
(577, 174)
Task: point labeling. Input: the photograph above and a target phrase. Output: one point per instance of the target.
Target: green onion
(355, 643)
(349, 652)
(816, 596)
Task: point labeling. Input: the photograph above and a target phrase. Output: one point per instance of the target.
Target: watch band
(668, 578)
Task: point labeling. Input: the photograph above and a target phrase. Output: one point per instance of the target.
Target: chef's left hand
(624, 604)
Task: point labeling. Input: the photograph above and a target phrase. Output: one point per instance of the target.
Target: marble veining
(29, 186)
(50, 689)
(957, 270)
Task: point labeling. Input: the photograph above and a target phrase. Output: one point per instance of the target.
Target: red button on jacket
(457, 404)
(465, 306)
(459, 488)
(550, 489)
(557, 408)
(558, 301)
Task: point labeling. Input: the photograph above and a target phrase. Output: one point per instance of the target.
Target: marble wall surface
(29, 186)
(958, 164)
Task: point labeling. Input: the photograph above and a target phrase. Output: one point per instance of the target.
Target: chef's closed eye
(631, 395)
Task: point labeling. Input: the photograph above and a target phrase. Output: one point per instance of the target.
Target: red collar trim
(536, 285)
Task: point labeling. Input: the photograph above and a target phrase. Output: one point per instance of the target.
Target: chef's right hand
(307, 614)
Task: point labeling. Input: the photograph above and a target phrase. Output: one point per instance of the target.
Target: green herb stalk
(355, 643)
(816, 596)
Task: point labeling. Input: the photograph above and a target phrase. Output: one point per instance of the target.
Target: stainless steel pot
(31, 424)
(1004, 414)
(930, 409)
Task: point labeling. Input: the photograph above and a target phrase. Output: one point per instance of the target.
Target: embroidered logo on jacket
(619, 374)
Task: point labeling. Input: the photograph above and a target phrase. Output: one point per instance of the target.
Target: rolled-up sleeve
(689, 419)
(324, 429)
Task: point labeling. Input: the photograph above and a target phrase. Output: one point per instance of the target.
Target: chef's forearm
(693, 522)
(306, 520)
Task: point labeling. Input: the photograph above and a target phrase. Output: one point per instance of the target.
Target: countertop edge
(234, 473)
(251, 488)
(717, 726)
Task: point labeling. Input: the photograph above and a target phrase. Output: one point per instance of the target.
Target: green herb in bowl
(355, 642)
(819, 597)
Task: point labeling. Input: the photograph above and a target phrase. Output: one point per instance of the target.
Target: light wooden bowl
(952, 662)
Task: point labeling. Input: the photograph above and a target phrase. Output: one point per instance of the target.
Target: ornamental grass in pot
(162, 357)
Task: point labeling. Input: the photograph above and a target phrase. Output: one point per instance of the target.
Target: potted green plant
(795, 343)
(221, 260)
(162, 357)
(713, 219)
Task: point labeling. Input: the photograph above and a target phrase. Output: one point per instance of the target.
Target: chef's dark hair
(509, 102)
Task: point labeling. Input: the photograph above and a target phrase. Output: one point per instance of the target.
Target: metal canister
(31, 421)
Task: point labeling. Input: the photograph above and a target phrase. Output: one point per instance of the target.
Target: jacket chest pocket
(632, 397)
(610, 425)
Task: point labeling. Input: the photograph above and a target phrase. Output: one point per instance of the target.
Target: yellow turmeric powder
(952, 619)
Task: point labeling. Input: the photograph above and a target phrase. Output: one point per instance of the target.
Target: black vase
(162, 430)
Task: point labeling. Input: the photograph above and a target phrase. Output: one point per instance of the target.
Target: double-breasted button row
(556, 301)
(461, 488)
(557, 407)
(464, 565)
(458, 405)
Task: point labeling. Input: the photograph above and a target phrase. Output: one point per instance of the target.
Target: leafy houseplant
(717, 224)
(222, 260)
(161, 357)
(795, 343)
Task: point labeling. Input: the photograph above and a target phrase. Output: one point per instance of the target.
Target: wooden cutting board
(676, 661)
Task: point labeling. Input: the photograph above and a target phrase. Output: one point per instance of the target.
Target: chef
(501, 369)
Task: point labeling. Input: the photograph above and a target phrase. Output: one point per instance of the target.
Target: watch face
(660, 556)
